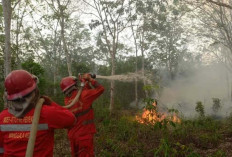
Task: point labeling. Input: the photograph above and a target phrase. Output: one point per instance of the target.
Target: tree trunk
(7, 11)
(68, 59)
(17, 46)
(143, 69)
(230, 89)
(136, 66)
(136, 91)
(54, 80)
(55, 66)
(19, 21)
(143, 73)
(112, 83)
(136, 88)
(18, 28)
(231, 92)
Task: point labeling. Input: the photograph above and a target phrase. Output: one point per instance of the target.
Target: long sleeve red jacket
(14, 132)
(83, 111)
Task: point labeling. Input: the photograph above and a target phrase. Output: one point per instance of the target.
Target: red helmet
(19, 83)
(67, 82)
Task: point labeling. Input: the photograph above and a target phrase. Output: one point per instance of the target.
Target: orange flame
(152, 116)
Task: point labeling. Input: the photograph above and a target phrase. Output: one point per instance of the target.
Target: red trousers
(82, 147)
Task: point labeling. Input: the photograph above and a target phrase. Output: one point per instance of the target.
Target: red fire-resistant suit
(81, 135)
(15, 131)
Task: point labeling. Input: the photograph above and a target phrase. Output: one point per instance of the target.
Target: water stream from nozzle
(130, 77)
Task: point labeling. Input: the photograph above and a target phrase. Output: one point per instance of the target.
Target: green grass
(121, 135)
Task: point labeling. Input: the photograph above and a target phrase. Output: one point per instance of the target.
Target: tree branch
(85, 1)
(220, 4)
(16, 4)
(89, 13)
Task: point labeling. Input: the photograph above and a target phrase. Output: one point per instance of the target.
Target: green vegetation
(122, 135)
(162, 41)
(216, 105)
(200, 109)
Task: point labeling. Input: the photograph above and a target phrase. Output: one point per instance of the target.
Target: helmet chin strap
(20, 107)
(69, 91)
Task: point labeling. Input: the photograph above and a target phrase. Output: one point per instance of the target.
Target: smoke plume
(203, 84)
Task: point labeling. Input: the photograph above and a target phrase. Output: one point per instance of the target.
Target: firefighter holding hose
(79, 101)
(16, 121)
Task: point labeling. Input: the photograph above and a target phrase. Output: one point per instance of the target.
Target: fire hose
(34, 128)
(35, 121)
(76, 97)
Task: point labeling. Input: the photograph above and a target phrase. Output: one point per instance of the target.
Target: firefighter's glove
(47, 100)
(87, 77)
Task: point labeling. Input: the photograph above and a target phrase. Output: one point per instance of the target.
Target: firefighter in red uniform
(22, 95)
(81, 135)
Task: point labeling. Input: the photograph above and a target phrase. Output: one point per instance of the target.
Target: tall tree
(18, 17)
(7, 11)
(161, 33)
(215, 18)
(145, 11)
(110, 15)
(63, 18)
(62, 14)
(134, 25)
(215, 29)
(134, 34)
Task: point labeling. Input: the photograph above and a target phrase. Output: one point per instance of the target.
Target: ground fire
(152, 116)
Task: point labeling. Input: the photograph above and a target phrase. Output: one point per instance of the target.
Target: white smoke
(207, 82)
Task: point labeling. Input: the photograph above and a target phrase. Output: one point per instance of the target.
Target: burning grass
(151, 115)
(122, 135)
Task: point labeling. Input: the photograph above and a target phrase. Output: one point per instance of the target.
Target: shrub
(200, 109)
(167, 149)
(216, 105)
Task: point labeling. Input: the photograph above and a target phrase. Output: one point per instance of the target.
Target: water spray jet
(130, 77)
